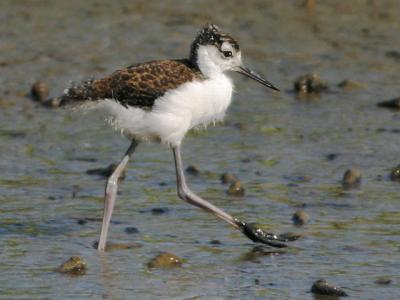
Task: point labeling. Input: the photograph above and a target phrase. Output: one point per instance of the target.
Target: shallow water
(352, 238)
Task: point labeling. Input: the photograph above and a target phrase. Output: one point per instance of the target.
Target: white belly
(192, 104)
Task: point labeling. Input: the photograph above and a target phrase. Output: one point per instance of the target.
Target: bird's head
(215, 52)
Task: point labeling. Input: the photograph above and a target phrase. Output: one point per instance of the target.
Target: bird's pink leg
(252, 232)
(111, 194)
(186, 194)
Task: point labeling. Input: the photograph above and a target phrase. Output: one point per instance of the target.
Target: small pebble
(351, 179)
(81, 221)
(164, 260)
(383, 281)
(106, 172)
(73, 266)
(309, 84)
(159, 210)
(40, 91)
(215, 242)
(236, 189)
(349, 85)
(322, 287)
(300, 218)
(131, 230)
(228, 178)
(393, 104)
(192, 170)
(395, 174)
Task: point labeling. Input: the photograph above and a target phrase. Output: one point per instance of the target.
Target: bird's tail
(90, 90)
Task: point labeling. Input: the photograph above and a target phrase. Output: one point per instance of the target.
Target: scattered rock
(351, 179)
(159, 210)
(395, 174)
(73, 266)
(393, 54)
(39, 91)
(331, 156)
(131, 230)
(228, 178)
(383, 281)
(349, 85)
(215, 242)
(322, 287)
(106, 172)
(236, 189)
(164, 260)
(192, 170)
(300, 218)
(393, 104)
(309, 84)
(81, 221)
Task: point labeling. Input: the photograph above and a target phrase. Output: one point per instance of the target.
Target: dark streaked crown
(211, 35)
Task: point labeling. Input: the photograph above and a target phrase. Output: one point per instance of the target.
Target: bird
(160, 101)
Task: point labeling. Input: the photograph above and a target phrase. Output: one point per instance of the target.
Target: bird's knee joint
(182, 194)
(111, 182)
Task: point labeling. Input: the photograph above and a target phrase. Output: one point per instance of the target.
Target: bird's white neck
(206, 64)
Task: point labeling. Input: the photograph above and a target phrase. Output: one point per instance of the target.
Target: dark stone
(309, 84)
(39, 91)
(164, 260)
(228, 178)
(383, 281)
(351, 179)
(131, 230)
(159, 210)
(300, 218)
(393, 104)
(81, 221)
(331, 156)
(73, 266)
(322, 287)
(192, 170)
(236, 189)
(395, 174)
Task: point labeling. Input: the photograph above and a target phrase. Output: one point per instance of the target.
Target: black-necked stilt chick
(161, 101)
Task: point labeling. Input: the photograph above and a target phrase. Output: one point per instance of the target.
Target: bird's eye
(227, 53)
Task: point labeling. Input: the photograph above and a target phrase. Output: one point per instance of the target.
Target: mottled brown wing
(138, 85)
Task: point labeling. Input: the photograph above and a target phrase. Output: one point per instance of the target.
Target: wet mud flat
(318, 160)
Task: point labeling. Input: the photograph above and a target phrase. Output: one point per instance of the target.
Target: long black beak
(253, 75)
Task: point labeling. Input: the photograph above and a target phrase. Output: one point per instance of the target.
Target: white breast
(176, 112)
(193, 104)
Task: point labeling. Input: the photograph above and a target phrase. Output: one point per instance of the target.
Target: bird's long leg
(253, 233)
(111, 194)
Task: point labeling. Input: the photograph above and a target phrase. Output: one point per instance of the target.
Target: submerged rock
(383, 281)
(192, 170)
(39, 91)
(228, 178)
(236, 189)
(309, 84)
(322, 287)
(164, 260)
(300, 218)
(393, 104)
(131, 230)
(73, 266)
(106, 172)
(351, 179)
(349, 85)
